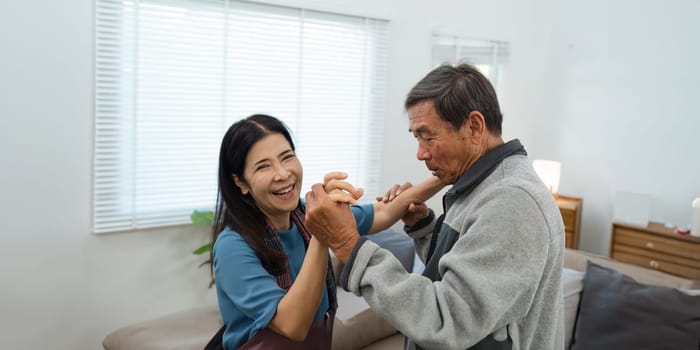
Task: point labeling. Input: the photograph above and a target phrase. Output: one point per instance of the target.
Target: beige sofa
(357, 326)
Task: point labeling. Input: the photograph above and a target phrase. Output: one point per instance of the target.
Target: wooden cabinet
(570, 208)
(656, 247)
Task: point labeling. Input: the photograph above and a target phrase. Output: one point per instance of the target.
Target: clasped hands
(328, 215)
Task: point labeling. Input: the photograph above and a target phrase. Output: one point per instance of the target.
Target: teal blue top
(248, 295)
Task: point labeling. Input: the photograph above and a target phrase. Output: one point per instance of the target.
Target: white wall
(622, 84)
(65, 288)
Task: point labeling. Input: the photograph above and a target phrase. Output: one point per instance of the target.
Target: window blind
(172, 75)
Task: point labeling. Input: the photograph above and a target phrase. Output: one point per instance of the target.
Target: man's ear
(475, 127)
(241, 184)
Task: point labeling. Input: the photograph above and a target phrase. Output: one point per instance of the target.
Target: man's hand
(393, 192)
(331, 222)
(416, 211)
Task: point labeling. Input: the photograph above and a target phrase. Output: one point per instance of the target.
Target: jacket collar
(482, 168)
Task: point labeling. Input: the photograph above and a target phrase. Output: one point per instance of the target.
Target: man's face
(446, 151)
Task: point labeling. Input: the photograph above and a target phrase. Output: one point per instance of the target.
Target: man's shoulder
(516, 176)
(506, 196)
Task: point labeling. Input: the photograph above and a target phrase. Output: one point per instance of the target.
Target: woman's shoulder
(229, 238)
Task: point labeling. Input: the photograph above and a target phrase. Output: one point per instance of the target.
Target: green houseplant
(203, 218)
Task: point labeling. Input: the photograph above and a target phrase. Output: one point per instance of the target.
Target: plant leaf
(202, 218)
(203, 249)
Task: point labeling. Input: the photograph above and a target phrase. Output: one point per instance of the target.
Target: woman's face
(272, 176)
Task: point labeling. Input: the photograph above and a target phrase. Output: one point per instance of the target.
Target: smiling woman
(269, 271)
(273, 281)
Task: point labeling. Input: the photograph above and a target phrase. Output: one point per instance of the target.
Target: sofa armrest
(356, 325)
(185, 330)
(361, 330)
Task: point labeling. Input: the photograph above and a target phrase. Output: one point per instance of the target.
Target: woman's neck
(281, 223)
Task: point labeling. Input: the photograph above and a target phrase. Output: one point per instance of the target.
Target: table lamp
(549, 171)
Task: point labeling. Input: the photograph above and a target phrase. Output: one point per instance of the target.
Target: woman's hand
(341, 191)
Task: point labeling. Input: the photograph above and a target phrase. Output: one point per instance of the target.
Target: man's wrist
(343, 250)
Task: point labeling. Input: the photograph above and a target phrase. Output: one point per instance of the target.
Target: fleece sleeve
(422, 233)
(489, 277)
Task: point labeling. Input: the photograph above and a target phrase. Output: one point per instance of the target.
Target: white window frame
(143, 181)
(489, 56)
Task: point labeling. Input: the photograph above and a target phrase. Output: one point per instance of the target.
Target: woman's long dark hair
(233, 208)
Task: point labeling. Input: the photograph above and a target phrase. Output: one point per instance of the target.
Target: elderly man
(493, 260)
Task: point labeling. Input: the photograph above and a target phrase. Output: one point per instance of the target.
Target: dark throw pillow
(617, 312)
(398, 244)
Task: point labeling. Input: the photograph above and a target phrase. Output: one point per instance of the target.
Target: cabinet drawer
(674, 269)
(569, 218)
(658, 256)
(657, 243)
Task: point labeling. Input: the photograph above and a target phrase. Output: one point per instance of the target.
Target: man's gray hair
(456, 91)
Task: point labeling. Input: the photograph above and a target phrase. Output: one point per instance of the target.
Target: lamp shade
(549, 171)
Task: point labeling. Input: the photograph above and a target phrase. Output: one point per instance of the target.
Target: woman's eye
(288, 156)
(262, 166)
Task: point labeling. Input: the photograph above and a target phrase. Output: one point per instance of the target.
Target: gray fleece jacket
(496, 267)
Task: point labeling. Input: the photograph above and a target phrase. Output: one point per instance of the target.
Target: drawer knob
(654, 264)
(650, 245)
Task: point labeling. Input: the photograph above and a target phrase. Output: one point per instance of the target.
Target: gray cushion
(573, 284)
(617, 312)
(398, 244)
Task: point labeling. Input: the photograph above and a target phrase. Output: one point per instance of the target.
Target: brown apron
(319, 337)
